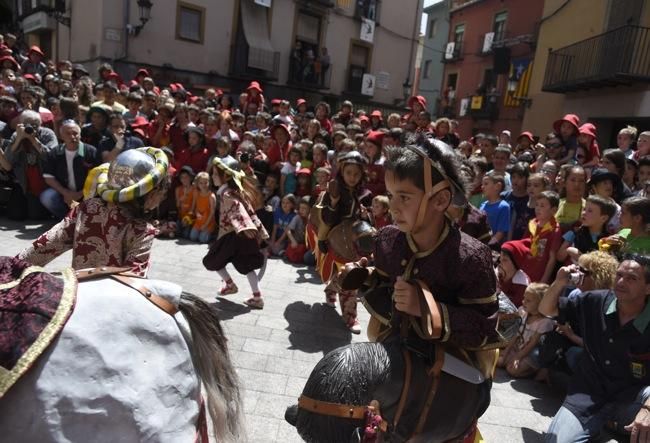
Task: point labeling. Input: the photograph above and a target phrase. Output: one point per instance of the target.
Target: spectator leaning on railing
(611, 383)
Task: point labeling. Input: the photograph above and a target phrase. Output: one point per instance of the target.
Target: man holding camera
(611, 384)
(66, 170)
(25, 158)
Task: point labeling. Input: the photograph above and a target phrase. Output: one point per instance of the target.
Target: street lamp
(145, 14)
(406, 89)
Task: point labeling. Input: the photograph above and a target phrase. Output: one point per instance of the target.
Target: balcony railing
(617, 57)
(484, 107)
(309, 74)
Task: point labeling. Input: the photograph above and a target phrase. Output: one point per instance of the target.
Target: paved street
(275, 349)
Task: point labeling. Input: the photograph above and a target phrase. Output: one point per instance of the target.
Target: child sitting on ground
(296, 248)
(379, 211)
(322, 179)
(635, 221)
(281, 219)
(521, 357)
(205, 203)
(544, 237)
(596, 214)
(288, 178)
(497, 210)
(303, 187)
(185, 194)
(537, 183)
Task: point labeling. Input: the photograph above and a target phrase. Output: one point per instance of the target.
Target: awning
(261, 54)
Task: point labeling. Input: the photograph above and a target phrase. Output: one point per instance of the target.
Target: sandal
(228, 288)
(255, 302)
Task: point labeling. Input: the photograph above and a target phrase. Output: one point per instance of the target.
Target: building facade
(488, 61)
(434, 42)
(332, 49)
(598, 67)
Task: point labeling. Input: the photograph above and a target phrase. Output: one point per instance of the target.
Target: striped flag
(520, 72)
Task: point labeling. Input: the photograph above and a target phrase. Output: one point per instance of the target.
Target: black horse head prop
(358, 390)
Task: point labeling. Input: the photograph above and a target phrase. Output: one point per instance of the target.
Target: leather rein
(129, 279)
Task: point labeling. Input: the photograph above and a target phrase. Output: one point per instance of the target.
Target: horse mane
(212, 362)
(347, 375)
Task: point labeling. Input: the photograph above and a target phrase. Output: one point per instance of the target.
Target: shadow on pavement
(227, 309)
(546, 401)
(530, 436)
(28, 229)
(308, 275)
(315, 328)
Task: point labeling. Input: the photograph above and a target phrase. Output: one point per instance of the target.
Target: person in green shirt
(635, 221)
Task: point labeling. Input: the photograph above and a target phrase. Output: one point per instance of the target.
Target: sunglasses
(553, 145)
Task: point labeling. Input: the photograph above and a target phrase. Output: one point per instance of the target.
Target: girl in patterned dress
(241, 233)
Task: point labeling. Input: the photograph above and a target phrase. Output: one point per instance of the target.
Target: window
(431, 32)
(190, 22)
(452, 79)
(359, 64)
(459, 34)
(499, 27)
(426, 71)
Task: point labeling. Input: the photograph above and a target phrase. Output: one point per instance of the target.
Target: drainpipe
(413, 40)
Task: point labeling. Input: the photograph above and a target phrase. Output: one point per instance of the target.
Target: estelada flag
(521, 71)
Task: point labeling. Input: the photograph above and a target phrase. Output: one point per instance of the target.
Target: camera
(244, 157)
(576, 278)
(29, 129)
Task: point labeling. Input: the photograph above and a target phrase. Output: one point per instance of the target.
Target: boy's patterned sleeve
(140, 240)
(472, 321)
(235, 213)
(52, 243)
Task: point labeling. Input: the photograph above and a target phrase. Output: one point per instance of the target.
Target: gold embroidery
(68, 297)
(26, 272)
(478, 301)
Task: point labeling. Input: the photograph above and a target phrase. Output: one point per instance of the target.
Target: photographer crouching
(25, 158)
(610, 385)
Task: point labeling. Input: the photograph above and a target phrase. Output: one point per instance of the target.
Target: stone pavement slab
(275, 349)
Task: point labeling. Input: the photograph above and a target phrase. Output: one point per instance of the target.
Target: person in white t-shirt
(66, 169)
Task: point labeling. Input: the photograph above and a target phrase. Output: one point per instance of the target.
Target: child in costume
(431, 284)
(240, 231)
(185, 194)
(341, 202)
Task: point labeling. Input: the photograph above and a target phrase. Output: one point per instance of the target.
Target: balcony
(456, 55)
(309, 74)
(617, 57)
(484, 107)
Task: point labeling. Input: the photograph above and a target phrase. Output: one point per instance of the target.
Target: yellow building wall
(577, 20)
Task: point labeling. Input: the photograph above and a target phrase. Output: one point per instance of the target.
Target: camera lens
(29, 129)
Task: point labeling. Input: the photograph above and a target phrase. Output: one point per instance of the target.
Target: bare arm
(550, 265)
(548, 305)
(563, 253)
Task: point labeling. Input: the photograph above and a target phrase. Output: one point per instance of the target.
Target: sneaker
(255, 302)
(355, 327)
(228, 288)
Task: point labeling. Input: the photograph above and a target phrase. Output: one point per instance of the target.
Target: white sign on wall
(368, 84)
(449, 51)
(464, 105)
(367, 30)
(266, 3)
(112, 34)
(382, 80)
(487, 42)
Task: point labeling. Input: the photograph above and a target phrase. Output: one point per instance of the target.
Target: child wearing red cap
(567, 129)
(303, 187)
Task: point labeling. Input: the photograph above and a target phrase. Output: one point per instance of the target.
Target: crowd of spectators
(558, 210)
